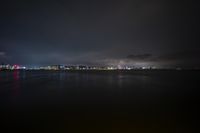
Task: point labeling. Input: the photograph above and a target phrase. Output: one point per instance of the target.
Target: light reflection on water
(112, 100)
(16, 85)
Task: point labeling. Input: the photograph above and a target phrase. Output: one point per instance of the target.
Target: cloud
(185, 59)
(139, 56)
(183, 55)
(4, 57)
(189, 58)
(2, 53)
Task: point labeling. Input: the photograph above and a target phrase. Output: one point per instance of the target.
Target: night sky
(163, 33)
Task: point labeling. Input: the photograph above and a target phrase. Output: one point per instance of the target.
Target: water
(118, 102)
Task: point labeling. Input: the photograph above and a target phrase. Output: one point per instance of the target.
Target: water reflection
(62, 77)
(119, 99)
(16, 84)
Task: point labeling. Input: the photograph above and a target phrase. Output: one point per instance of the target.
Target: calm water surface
(114, 102)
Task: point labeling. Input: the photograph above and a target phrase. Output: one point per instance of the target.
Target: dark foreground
(98, 102)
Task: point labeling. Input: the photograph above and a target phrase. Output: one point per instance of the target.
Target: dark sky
(101, 32)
